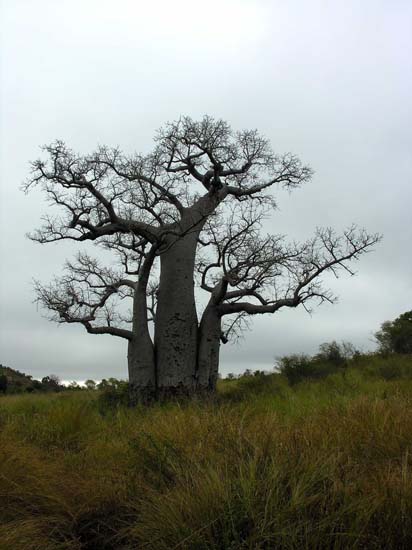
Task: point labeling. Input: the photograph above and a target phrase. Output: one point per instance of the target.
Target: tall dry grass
(320, 465)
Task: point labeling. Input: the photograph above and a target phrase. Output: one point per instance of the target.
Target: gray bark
(140, 354)
(209, 346)
(176, 333)
(176, 318)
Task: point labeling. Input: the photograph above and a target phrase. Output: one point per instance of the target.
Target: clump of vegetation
(322, 463)
(113, 394)
(14, 381)
(396, 336)
(331, 359)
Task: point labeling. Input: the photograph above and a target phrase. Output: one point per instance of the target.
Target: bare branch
(108, 193)
(286, 170)
(245, 272)
(292, 276)
(94, 200)
(241, 164)
(83, 294)
(234, 328)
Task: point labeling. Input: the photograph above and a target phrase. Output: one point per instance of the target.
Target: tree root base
(147, 395)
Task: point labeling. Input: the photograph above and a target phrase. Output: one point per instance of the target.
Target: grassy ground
(323, 464)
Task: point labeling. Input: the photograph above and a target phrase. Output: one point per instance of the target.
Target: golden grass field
(323, 464)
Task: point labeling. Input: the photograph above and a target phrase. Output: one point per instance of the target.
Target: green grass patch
(322, 463)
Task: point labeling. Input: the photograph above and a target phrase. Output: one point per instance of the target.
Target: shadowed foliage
(396, 336)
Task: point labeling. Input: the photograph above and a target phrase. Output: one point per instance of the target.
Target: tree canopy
(396, 336)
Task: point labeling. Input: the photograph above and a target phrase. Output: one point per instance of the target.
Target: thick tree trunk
(176, 326)
(209, 346)
(176, 319)
(140, 354)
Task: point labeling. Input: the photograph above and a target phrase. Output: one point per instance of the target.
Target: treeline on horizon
(393, 338)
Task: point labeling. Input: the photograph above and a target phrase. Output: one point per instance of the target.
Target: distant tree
(189, 212)
(335, 353)
(331, 352)
(90, 384)
(114, 382)
(259, 373)
(103, 384)
(296, 367)
(51, 383)
(396, 336)
(3, 383)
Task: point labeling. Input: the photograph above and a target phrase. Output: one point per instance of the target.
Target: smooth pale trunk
(140, 354)
(176, 327)
(209, 347)
(176, 319)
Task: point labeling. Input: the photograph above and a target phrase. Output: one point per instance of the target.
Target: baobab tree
(188, 214)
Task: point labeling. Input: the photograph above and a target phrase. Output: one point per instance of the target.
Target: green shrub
(297, 368)
(396, 336)
(335, 353)
(113, 396)
(393, 367)
(247, 387)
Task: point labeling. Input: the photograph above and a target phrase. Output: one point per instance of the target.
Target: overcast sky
(328, 80)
